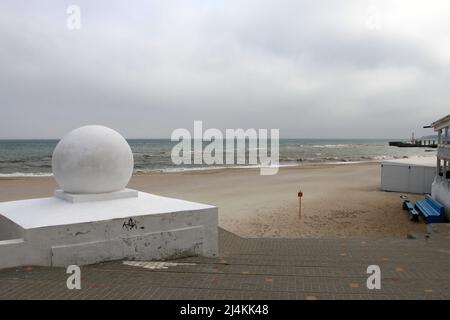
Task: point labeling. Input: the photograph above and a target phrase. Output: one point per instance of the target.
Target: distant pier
(414, 144)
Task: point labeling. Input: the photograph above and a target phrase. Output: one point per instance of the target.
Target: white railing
(443, 151)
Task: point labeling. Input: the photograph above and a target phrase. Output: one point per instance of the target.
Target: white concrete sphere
(92, 159)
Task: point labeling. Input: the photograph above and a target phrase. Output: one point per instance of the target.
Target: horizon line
(281, 138)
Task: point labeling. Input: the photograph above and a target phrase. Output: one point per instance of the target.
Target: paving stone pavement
(257, 269)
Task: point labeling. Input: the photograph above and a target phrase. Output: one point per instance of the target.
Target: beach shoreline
(340, 200)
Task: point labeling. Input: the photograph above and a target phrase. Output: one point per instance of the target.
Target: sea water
(33, 157)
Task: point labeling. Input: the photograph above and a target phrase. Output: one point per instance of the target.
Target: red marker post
(300, 195)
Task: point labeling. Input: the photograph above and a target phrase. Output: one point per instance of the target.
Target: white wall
(9, 230)
(407, 178)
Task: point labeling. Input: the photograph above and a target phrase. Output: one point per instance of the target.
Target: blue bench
(413, 214)
(432, 211)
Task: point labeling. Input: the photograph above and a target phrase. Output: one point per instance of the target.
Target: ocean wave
(330, 145)
(25, 174)
(281, 165)
(206, 168)
(388, 157)
(284, 162)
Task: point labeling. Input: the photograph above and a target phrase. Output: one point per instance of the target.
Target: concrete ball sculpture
(92, 159)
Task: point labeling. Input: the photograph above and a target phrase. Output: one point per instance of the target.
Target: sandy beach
(340, 201)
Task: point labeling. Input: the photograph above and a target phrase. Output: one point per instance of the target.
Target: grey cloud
(310, 68)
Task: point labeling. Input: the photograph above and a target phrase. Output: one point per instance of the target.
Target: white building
(440, 189)
(414, 175)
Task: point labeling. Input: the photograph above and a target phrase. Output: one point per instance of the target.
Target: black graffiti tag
(129, 224)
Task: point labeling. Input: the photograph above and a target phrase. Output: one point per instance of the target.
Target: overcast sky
(313, 69)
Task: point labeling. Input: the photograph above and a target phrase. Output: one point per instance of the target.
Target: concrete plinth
(55, 232)
(88, 197)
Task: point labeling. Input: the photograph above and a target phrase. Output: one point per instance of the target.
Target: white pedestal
(55, 232)
(88, 197)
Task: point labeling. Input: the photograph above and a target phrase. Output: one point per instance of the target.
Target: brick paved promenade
(258, 269)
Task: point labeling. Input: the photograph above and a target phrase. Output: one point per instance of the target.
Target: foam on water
(25, 174)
